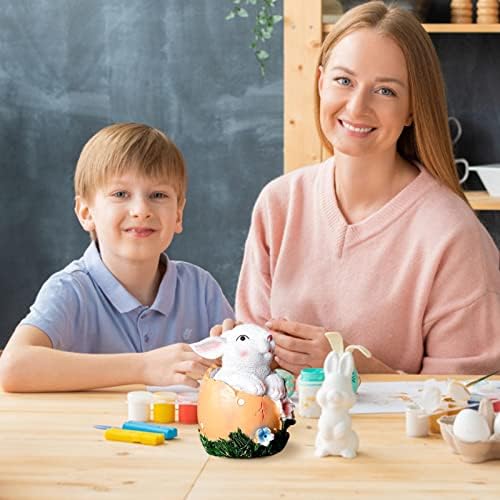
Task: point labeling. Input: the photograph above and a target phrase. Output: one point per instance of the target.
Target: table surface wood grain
(49, 449)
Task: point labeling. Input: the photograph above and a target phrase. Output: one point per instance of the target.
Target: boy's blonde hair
(427, 140)
(129, 147)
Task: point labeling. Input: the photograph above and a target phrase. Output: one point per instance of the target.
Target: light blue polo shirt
(84, 308)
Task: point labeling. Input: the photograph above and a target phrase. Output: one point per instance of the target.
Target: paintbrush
(480, 379)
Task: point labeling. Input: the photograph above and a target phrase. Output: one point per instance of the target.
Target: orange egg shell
(222, 410)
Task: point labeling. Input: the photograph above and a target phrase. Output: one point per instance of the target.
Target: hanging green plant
(265, 19)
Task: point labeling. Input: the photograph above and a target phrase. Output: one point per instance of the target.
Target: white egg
(469, 426)
(496, 424)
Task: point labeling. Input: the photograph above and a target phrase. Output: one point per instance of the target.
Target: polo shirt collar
(116, 293)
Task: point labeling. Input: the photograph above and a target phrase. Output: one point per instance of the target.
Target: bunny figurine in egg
(243, 408)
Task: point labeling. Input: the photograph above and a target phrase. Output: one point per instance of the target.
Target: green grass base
(239, 445)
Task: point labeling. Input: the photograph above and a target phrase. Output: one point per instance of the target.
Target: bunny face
(336, 398)
(244, 345)
(249, 341)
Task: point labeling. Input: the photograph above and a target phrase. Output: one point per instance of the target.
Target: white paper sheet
(388, 397)
(171, 388)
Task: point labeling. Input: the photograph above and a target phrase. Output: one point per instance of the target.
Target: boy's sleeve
(55, 311)
(218, 306)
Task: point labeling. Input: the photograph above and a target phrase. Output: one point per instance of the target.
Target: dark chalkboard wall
(70, 67)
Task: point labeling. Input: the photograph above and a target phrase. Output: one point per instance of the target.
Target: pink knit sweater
(417, 282)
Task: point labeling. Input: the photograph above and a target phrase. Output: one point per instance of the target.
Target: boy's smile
(135, 219)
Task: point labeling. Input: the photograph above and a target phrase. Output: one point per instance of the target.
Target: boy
(104, 320)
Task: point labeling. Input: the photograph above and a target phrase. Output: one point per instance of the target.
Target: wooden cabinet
(303, 34)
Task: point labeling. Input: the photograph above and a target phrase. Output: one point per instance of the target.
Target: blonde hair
(129, 147)
(427, 140)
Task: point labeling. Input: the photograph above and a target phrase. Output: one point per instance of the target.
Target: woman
(378, 242)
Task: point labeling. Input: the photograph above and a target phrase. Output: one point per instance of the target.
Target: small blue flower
(264, 436)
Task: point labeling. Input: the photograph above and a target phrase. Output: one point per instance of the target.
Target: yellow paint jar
(163, 407)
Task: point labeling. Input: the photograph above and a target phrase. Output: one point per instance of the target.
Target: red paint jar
(188, 413)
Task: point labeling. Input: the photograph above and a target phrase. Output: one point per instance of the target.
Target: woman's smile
(356, 130)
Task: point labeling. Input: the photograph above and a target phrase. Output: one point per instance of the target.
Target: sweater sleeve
(253, 293)
(462, 324)
(467, 340)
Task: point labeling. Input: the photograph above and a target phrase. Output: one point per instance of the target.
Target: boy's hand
(227, 324)
(175, 364)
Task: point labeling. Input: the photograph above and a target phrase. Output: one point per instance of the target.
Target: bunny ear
(331, 363)
(336, 341)
(346, 364)
(209, 348)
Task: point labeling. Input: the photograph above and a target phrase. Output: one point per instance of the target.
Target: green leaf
(242, 12)
(262, 55)
(277, 19)
(230, 16)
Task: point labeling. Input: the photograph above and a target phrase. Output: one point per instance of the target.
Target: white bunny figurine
(247, 351)
(335, 397)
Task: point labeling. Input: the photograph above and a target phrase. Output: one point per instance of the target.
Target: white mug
(458, 127)
(465, 163)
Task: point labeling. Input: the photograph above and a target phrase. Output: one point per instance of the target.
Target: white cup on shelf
(489, 175)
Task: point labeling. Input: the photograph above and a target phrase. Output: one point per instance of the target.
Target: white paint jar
(417, 422)
(139, 405)
(308, 384)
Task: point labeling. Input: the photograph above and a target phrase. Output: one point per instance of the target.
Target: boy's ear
(82, 211)
(180, 213)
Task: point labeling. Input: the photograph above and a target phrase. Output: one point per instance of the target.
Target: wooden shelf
(446, 28)
(462, 28)
(481, 200)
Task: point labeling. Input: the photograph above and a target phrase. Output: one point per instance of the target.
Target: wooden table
(49, 449)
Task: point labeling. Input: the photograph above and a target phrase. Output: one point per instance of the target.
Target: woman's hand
(174, 364)
(298, 345)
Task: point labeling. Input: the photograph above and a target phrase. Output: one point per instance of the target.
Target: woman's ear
(321, 76)
(409, 120)
(84, 214)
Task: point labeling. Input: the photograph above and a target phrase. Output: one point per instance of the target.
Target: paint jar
(139, 403)
(308, 383)
(164, 407)
(187, 408)
(417, 422)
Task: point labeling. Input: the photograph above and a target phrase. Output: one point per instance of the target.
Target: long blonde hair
(427, 140)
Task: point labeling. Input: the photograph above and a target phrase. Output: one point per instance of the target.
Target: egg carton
(472, 453)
